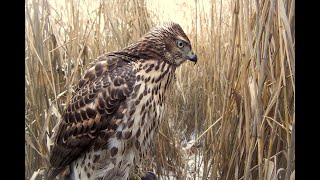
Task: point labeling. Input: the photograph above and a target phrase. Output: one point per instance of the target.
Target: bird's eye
(180, 44)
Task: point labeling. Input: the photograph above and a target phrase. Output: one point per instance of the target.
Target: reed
(230, 116)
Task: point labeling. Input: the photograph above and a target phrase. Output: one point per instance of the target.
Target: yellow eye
(180, 44)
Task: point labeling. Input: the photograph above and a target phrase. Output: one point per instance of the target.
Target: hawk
(117, 107)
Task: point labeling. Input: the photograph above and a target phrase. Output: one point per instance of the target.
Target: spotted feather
(117, 107)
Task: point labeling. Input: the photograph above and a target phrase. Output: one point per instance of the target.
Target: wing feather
(98, 99)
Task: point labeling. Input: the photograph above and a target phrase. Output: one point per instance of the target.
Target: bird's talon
(135, 177)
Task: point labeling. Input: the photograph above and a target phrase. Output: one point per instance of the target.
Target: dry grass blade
(230, 116)
(46, 123)
(218, 120)
(29, 142)
(36, 174)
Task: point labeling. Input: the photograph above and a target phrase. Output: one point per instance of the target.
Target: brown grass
(231, 116)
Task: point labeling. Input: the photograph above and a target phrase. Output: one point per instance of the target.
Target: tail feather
(53, 172)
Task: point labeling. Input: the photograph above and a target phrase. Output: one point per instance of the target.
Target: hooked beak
(192, 57)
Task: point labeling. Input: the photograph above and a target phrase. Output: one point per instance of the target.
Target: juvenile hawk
(118, 106)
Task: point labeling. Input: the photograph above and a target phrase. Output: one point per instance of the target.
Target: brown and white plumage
(117, 107)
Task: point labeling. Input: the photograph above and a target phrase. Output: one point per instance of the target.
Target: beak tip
(194, 58)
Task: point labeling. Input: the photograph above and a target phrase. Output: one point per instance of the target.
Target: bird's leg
(146, 176)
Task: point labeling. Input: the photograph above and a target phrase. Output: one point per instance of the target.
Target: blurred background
(230, 116)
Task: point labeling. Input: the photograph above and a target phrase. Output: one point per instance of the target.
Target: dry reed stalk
(232, 116)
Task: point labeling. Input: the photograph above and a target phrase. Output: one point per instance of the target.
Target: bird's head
(169, 42)
(177, 44)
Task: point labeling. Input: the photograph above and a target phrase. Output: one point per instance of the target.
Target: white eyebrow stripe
(181, 38)
(185, 40)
